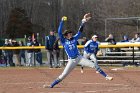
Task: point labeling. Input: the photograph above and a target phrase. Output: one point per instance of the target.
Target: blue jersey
(70, 45)
(91, 47)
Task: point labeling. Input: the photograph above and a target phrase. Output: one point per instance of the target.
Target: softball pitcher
(69, 42)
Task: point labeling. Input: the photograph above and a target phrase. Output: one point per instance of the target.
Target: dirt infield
(31, 80)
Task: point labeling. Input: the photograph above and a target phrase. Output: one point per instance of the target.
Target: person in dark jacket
(38, 53)
(22, 53)
(125, 39)
(111, 40)
(16, 53)
(8, 54)
(51, 50)
(29, 52)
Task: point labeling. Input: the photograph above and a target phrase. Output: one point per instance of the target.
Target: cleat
(109, 78)
(97, 72)
(82, 71)
(46, 86)
(51, 86)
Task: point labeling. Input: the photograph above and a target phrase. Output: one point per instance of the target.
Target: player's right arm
(60, 29)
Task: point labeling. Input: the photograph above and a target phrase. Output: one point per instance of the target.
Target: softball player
(90, 50)
(69, 42)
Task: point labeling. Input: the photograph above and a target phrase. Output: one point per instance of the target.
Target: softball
(64, 18)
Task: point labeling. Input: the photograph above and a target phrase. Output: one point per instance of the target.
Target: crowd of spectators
(24, 57)
(14, 57)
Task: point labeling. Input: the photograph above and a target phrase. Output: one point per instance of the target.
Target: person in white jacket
(136, 38)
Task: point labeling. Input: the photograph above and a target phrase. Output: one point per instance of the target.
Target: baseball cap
(66, 32)
(94, 36)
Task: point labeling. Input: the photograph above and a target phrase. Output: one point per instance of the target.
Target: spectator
(22, 53)
(29, 52)
(16, 53)
(8, 54)
(111, 40)
(57, 49)
(5, 52)
(84, 41)
(136, 38)
(38, 53)
(51, 52)
(125, 39)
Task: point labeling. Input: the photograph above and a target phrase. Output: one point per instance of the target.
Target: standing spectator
(5, 52)
(8, 54)
(57, 49)
(136, 38)
(38, 54)
(29, 52)
(84, 41)
(51, 52)
(125, 39)
(22, 53)
(16, 53)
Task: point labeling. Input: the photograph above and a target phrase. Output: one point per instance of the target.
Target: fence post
(34, 59)
(133, 56)
(63, 57)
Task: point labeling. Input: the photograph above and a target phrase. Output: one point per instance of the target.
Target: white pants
(29, 58)
(72, 64)
(91, 56)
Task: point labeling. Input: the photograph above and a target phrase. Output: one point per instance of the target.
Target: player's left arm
(85, 19)
(60, 30)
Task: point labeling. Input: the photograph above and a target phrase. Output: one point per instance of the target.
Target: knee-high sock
(101, 72)
(55, 83)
